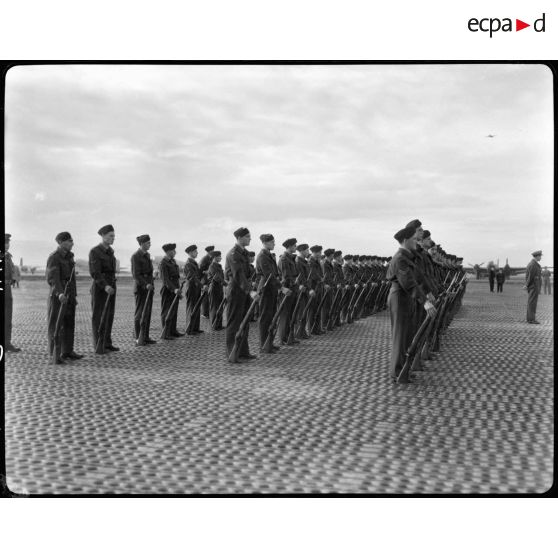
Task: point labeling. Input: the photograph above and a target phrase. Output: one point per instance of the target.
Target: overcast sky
(341, 156)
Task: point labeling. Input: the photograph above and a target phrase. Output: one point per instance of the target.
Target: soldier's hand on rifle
(286, 291)
(312, 293)
(431, 298)
(430, 309)
(356, 285)
(255, 295)
(109, 290)
(62, 298)
(303, 289)
(327, 287)
(204, 288)
(149, 287)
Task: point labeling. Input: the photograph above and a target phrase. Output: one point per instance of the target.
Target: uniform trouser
(314, 325)
(326, 307)
(268, 306)
(8, 310)
(238, 303)
(166, 302)
(301, 306)
(192, 296)
(499, 287)
(491, 283)
(67, 325)
(205, 305)
(286, 317)
(141, 297)
(347, 295)
(547, 287)
(98, 299)
(420, 315)
(401, 317)
(214, 301)
(533, 296)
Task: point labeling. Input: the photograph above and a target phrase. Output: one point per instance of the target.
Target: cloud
(40, 196)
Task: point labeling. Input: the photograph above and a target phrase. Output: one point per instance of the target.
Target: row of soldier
(300, 295)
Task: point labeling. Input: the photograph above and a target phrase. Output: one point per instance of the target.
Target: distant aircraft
(491, 136)
(482, 272)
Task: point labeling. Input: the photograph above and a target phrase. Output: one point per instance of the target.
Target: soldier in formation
(546, 280)
(8, 298)
(142, 273)
(533, 277)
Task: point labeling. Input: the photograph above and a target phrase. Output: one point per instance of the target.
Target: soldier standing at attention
(350, 284)
(251, 259)
(329, 285)
(491, 275)
(8, 299)
(303, 269)
(339, 282)
(546, 280)
(404, 293)
(102, 268)
(289, 274)
(59, 269)
(216, 281)
(315, 284)
(266, 266)
(170, 276)
(194, 288)
(500, 278)
(204, 267)
(142, 273)
(239, 291)
(533, 286)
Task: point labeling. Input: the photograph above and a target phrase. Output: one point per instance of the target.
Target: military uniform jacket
(215, 274)
(546, 274)
(237, 270)
(142, 270)
(192, 274)
(302, 269)
(316, 274)
(58, 272)
(338, 278)
(8, 268)
(205, 262)
(266, 266)
(533, 274)
(423, 275)
(102, 266)
(287, 267)
(402, 272)
(170, 274)
(349, 274)
(328, 273)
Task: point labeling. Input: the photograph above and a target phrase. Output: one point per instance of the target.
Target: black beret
(388, 259)
(347, 257)
(63, 236)
(316, 248)
(190, 248)
(168, 247)
(7, 236)
(302, 247)
(362, 258)
(425, 234)
(337, 253)
(106, 229)
(266, 237)
(209, 248)
(214, 253)
(537, 253)
(368, 258)
(415, 224)
(143, 238)
(355, 257)
(404, 234)
(289, 242)
(329, 252)
(242, 231)
(252, 254)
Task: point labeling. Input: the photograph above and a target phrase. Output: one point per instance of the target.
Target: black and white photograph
(278, 278)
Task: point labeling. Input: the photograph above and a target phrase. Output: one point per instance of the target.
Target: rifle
(380, 297)
(318, 314)
(219, 313)
(165, 332)
(238, 338)
(143, 324)
(292, 324)
(333, 309)
(369, 295)
(101, 332)
(194, 310)
(350, 308)
(272, 330)
(58, 326)
(357, 308)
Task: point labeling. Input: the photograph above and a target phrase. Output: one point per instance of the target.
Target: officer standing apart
(170, 289)
(102, 268)
(533, 286)
(142, 273)
(404, 294)
(60, 274)
(500, 279)
(239, 292)
(8, 300)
